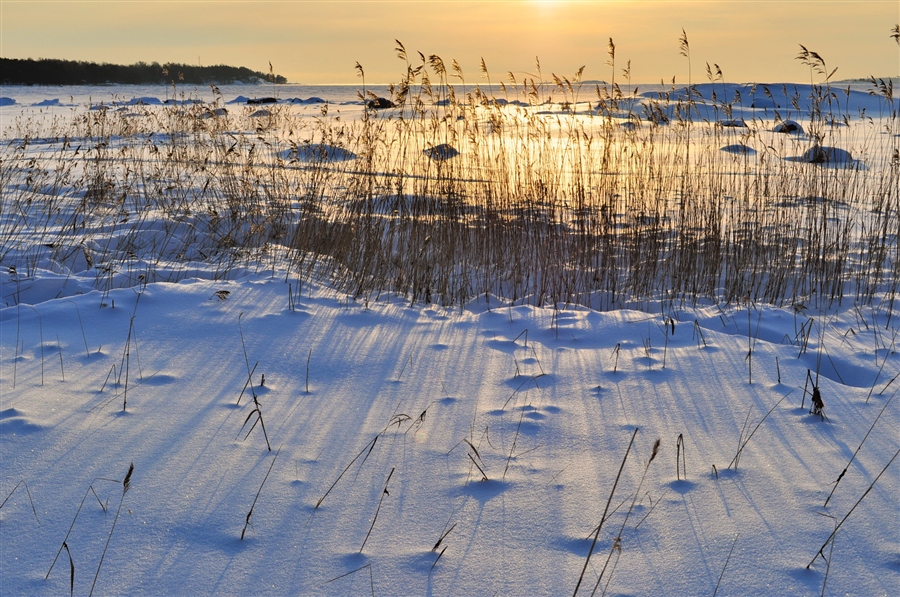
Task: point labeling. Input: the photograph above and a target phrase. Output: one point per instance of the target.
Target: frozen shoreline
(344, 359)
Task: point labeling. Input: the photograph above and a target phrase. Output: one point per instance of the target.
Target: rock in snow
(262, 100)
(441, 152)
(318, 152)
(379, 103)
(788, 126)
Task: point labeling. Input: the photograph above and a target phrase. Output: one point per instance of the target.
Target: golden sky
(315, 42)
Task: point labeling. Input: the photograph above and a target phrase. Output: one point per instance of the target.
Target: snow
(401, 448)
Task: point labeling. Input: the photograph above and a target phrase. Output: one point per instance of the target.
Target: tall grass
(559, 194)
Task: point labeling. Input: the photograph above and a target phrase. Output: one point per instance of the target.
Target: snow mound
(214, 113)
(145, 101)
(822, 154)
(318, 152)
(739, 149)
(762, 103)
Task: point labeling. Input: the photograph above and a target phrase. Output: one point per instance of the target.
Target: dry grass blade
(69, 532)
(439, 556)
(367, 450)
(384, 492)
(246, 360)
(249, 382)
(355, 570)
(743, 443)
(680, 457)
(25, 485)
(259, 419)
(484, 476)
(515, 441)
(849, 462)
(474, 449)
(846, 516)
(126, 485)
(617, 542)
(308, 359)
(730, 551)
(99, 501)
(71, 570)
(259, 491)
(596, 532)
(443, 536)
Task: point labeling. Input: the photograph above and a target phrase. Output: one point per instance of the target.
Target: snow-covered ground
(290, 438)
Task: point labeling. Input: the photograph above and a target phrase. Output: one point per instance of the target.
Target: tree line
(48, 71)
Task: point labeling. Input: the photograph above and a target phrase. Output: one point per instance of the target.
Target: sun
(547, 4)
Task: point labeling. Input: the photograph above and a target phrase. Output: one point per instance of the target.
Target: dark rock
(319, 152)
(441, 152)
(788, 126)
(379, 103)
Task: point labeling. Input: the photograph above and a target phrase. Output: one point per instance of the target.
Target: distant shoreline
(259, 81)
(53, 72)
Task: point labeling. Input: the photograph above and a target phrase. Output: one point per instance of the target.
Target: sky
(315, 42)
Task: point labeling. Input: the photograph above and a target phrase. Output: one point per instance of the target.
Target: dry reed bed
(617, 201)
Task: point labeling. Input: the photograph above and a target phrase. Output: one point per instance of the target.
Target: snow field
(441, 389)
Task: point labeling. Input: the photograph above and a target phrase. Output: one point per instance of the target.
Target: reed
(257, 410)
(680, 458)
(596, 532)
(384, 492)
(126, 485)
(544, 203)
(617, 542)
(743, 441)
(22, 483)
(258, 492)
(725, 565)
(366, 450)
(846, 516)
(855, 452)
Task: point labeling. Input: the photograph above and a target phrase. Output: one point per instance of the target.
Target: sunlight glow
(319, 42)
